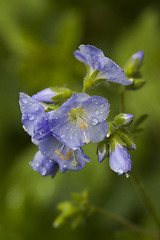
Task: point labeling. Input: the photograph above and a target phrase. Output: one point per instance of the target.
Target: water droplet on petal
(30, 117)
(97, 112)
(94, 121)
(120, 171)
(63, 136)
(42, 171)
(68, 128)
(65, 166)
(24, 100)
(102, 105)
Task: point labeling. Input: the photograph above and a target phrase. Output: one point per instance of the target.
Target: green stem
(146, 199)
(122, 101)
(125, 223)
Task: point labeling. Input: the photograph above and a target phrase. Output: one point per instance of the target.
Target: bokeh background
(37, 40)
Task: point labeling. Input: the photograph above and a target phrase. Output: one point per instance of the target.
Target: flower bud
(134, 63)
(45, 95)
(127, 138)
(123, 119)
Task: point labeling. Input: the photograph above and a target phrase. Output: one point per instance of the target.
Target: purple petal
(67, 158)
(44, 165)
(119, 160)
(97, 108)
(95, 58)
(32, 110)
(44, 96)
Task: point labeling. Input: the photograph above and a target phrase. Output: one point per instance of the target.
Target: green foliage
(76, 212)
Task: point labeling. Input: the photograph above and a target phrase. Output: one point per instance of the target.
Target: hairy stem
(125, 223)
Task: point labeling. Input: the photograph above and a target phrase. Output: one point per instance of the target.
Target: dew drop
(102, 105)
(42, 171)
(94, 121)
(30, 117)
(68, 128)
(97, 112)
(65, 166)
(120, 171)
(24, 100)
(36, 164)
(63, 136)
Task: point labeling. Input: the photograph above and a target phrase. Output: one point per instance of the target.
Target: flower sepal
(61, 93)
(90, 79)
(126, 138)
(115, 140)
(137, 84)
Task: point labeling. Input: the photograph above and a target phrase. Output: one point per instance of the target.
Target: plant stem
(125, 222)
(146, 199)
(122, 100)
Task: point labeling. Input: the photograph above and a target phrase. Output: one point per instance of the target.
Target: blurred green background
(37, 40)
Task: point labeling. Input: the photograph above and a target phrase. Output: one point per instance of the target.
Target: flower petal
(67, 158)
(31, 110)
(92, 56)
(44, 96)
(96, 107)
(44, 165)
(108, 69)
(119, 160)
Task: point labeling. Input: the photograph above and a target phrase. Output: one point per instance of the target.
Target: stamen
(74, 162)
(61, 156)
(85, 138)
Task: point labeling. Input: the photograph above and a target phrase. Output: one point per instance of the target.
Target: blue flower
(119, 160)
(44, 165)
(52, 154)
(32, 110)
(44, 96)
(80, 120)
(107, 69)
(67, 158)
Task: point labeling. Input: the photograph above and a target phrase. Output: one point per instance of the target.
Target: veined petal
(96, 133)
(96, 107)
(31, 110)
(44, 165)
(76, 100)
(113, 73)
(92, 56)
(41, 128)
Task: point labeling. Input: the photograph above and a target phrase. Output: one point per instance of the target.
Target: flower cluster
(61, 128)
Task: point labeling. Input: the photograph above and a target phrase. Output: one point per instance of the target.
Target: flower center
(77, 115)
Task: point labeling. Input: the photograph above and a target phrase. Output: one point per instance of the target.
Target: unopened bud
(134, 63)
(123, 119)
